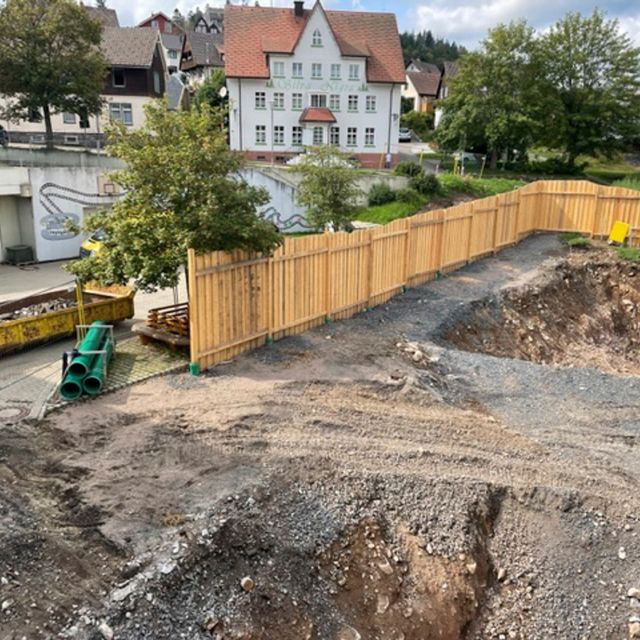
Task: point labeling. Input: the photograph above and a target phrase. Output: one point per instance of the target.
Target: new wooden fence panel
(237, 301)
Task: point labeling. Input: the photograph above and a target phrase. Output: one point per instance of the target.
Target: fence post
(370, 270)
(442, 236)
(517, 225)
(494, 241)
(192, 297)
(596, 212)
(269, 299)
(407, 246)
(327, 277)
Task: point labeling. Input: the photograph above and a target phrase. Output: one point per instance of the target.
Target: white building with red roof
(299, 77)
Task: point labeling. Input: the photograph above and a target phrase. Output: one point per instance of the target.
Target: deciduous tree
(50, 60)
(592, 86)
(328, 187)
(181, 191)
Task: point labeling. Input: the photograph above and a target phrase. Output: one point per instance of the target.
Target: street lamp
(271, 105)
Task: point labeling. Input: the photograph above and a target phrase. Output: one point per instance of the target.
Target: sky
(462, 21)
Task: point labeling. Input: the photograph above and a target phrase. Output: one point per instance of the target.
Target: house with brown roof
(160, 22)
(201, 53)
(422, 87)
(449, 69)
(299, 77)
(136, 75)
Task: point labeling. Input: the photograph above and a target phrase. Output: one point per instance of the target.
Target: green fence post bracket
(439, 275)
(194, 368)
(404, 288)
(328, 320)
(269, 340)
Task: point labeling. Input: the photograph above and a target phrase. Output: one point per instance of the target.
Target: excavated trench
(584, 314)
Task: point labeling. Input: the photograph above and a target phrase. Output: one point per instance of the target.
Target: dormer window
(316, 40)
(354, 72)
(118, 78)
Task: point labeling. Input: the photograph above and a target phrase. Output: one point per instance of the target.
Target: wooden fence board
(237, 300)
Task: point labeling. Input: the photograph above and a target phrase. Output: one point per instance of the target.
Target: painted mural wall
(60, 194)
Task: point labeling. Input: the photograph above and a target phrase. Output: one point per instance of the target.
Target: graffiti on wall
(54, 199)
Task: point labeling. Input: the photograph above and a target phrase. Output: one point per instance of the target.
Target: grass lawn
(609, 170)
(383, 213)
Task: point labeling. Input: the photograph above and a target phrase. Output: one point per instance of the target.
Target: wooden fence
(238, 301)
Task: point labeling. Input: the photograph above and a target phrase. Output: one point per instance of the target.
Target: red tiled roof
(317, 114)
(426, 84)
(252, 32)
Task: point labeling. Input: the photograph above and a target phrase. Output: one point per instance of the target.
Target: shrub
(408, 195)
(557, 167)
(629, 253)
(408, 168)
(426, 184)
(575, 240)
(630, 182)
(381, 193)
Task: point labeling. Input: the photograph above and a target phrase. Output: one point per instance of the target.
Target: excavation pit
(582, 314)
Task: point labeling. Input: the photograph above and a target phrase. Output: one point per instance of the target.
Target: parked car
(405, 135)
(93, 244)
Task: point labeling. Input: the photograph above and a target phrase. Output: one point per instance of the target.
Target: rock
(429, 548)
(4, 581)
(634, 630)
(106, 631)
(5, 604)
(633, 593)
(385, 567)
(247, 583)
(348, 633)
(417, 356)
(118, 595)
(502, 574)
(211, 622)
(383, 604)
(472, 567)
(622, 554)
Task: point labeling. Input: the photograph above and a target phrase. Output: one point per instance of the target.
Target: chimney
(298, 8)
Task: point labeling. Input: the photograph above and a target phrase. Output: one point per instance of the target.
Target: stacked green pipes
(86, 373)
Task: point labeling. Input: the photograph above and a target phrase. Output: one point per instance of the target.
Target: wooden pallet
(173, 319)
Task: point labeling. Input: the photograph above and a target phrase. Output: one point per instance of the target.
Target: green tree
(592, 75)
(494, 99)
(429, 49)
(328, 187)
(50, 60)
(211, 90)
(181, 192)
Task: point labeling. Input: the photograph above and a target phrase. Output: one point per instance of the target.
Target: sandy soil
(369, 479)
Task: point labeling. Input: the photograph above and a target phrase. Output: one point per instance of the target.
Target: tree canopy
(575, 88)
(328, 187)
(423, 45)
(181, 191)
(50, 60)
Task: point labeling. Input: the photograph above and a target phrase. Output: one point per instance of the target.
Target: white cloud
(631, 24)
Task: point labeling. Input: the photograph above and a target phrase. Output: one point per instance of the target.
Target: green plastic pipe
(94, 380)
(71, 387)
(82, 363)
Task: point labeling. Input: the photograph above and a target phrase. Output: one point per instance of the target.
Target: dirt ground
(460, 463)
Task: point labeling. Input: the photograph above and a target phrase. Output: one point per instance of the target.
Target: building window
(371, 104)
(173, 54)
(167, 27)
(278, 134)
(278, 69)
(261, 134)
(354, 72)
(296, 69)
(369, 136)
(318, 100)
(318, 137)
(68, 118)
(316, 70)
(278, 100)
(156, 82)
(154, 24)
(121, 111)
(352, 136)
(334, 136)
(296, 136)
(353, 103)
(118, 78)
(296, 101)
(261, 100)
(334, 102)
(316, 40)
(335, 71)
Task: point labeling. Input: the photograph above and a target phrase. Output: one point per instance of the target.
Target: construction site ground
(460, 463)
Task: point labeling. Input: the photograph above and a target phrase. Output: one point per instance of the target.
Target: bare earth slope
(370, 479)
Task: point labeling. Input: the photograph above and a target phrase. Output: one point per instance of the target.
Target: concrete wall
(38, 157)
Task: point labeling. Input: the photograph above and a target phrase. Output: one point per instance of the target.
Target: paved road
(28, 378)
(413, 150)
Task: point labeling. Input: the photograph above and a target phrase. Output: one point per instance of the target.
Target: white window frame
(113, 78)
(316, 38)
(68, 117)
(316, 70)
(261, 134)
(297, 70)
(352, 136)
(318, 135)
(354, 72)
(296, 136)
(296, 101)
(319, 98)
(334, 102)
(278, 101)
(369, 137)
(122, 112)
(371, 104)
(278, 69)
(336, 71)
(278, 134)
(260, 100)
(334, 135)
(352, 105)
